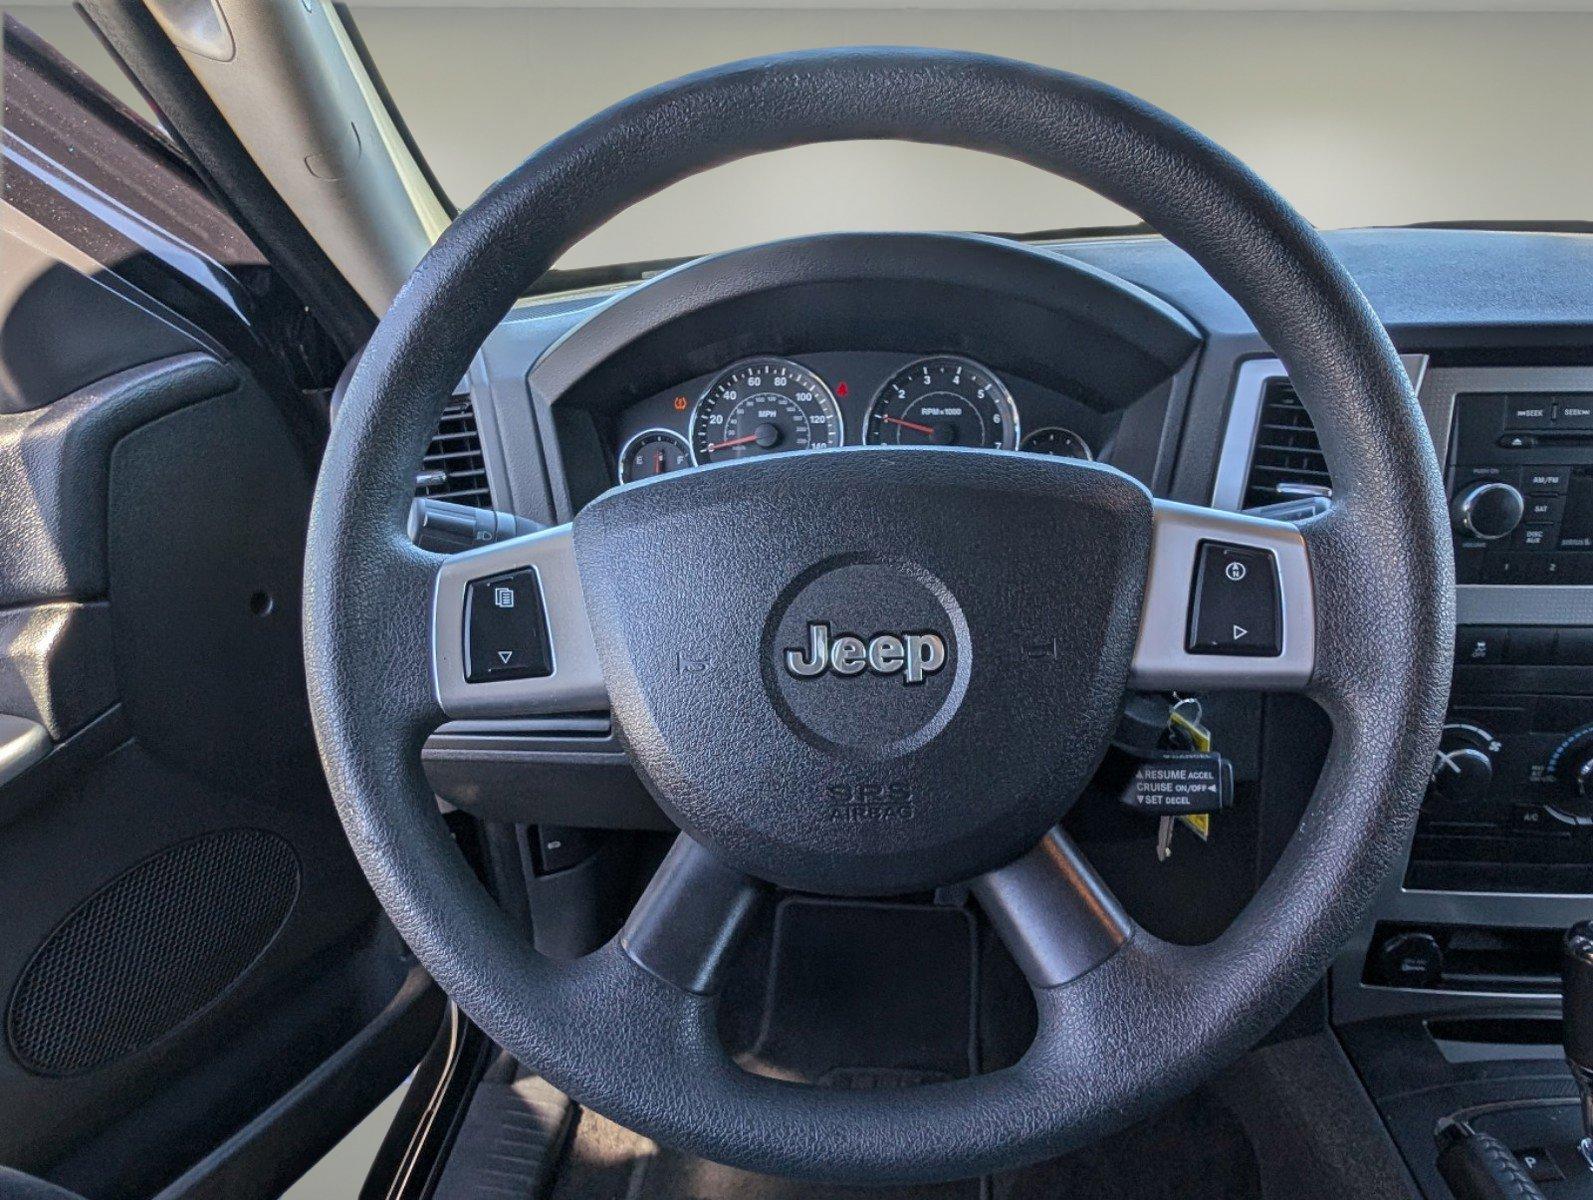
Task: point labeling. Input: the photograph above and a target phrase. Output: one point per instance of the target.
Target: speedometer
(764, 406)
(942, 401)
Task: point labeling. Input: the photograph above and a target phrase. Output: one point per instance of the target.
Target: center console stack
(1455, 987)
(1448, 1001)
(1510, 810)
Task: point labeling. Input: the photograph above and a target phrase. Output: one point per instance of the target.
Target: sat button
(506, 633)
(1234, 606)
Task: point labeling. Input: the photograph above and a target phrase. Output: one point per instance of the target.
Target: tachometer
(764, 406)
(653, 452)
(942, 401)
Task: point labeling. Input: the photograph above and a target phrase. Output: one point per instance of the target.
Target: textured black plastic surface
(869, 783)
(690, 918)
(1152, 1021)
(204, 564)
(54, 466)
(509, 1144)
(1577, 981)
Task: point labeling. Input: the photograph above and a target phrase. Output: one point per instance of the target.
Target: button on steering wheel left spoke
(510, 635)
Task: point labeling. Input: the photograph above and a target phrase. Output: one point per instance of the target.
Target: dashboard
(770, 404)
(1124, 350)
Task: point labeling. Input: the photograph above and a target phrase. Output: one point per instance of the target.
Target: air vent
(453, 468)
(1287, 460)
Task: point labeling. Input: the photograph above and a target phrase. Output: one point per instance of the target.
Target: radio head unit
(1520, 478)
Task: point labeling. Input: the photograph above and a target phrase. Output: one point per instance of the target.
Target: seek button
(1234, 606)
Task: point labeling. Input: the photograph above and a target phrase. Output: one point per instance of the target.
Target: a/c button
(1234, 602)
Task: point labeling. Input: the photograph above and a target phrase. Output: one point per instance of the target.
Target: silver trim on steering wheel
(576, 682)
(1161, 661)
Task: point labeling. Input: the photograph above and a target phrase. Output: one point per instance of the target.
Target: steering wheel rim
(1144, 1021)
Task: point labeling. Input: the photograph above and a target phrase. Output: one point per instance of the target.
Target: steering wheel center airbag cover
(862, 671)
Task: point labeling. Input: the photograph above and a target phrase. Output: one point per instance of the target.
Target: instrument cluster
(769, 404)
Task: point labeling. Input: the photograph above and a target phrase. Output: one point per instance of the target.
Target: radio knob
(1490, 510)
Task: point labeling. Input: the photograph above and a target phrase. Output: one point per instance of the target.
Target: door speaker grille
(150, 950)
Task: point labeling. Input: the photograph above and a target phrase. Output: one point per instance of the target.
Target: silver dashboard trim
(1520, 604)
(1244, 415)
(22, 743)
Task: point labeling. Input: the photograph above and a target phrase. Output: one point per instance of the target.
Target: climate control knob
(1463, 770)
(1489, 510)
(1571, 768)
(1462, 775)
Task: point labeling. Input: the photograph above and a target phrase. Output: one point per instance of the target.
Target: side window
(99, 203)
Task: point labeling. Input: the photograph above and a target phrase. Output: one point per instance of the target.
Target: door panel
(184, 934)
(198, 992)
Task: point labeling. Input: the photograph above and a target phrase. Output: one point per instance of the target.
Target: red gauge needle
(740, 441)
(926, 430)
(658, 463)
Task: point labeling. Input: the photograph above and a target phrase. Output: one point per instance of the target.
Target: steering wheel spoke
(510, 634)
(690, 918)
(1229, 603)
(1055, 915)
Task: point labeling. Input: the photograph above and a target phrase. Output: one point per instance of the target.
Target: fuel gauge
(653, 452)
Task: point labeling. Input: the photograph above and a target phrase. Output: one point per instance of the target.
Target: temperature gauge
(1057, 441)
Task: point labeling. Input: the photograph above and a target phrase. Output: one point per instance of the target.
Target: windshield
(1356, 117)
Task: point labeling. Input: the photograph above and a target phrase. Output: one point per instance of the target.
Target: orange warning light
(680, 404)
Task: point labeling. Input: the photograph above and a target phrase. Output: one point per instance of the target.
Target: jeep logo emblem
(915, 655)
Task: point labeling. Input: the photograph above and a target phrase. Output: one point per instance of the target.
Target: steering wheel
(933, 747)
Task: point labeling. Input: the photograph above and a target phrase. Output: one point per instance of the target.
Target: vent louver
(453, 468)
(1287, 460)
